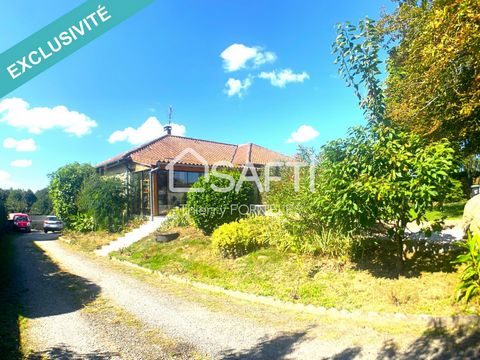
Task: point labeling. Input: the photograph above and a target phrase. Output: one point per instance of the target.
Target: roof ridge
(249, 158)
(209, 141)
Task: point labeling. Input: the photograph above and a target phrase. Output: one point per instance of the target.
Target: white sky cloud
(282, 78)
(149, 130)
(6, 180)
(21, 163)
(16, 112)
(303, 134)
(237, 87)
(25, 145)
(239, 56)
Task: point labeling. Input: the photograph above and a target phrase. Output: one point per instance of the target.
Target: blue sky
(275, 75)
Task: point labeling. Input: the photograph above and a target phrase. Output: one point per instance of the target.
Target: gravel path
(80, 307)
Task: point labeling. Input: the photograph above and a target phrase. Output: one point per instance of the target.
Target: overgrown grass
(452, 211)
(366, 285)
(94, 240)
(89, 241)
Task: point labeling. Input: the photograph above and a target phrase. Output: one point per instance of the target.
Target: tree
(16, 201)
(433, 83)
(105, 201)
(29, 198)
(380, 173)
(43, 205)
(65, 185)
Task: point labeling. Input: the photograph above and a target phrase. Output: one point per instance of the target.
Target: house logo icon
(170, 167)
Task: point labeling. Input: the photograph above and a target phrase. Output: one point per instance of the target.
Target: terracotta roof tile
(166, 148)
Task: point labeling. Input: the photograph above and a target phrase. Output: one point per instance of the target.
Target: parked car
(52, 223)
(20, 222)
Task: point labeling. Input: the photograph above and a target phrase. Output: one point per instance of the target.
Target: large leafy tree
(380, 173)
(433, 83)
(43, 205)
(104, 200)
(16, 201)
(65, 185)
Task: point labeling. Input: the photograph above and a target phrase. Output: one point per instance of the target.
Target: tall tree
(43, 205)
(433, 83)
(16, 201)
(65, 185)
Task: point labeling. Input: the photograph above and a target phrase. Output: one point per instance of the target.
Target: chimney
(168, 129)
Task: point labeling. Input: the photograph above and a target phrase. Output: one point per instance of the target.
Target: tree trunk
(400, 263)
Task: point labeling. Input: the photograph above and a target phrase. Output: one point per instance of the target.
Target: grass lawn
(452, 211)
(367, 284)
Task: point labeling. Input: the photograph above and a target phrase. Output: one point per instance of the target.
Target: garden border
(299, 307)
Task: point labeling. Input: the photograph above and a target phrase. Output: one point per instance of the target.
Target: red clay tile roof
(167, 147)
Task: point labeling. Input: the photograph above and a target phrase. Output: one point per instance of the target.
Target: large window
(185, 178)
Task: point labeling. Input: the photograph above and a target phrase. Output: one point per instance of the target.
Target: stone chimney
(168, 129)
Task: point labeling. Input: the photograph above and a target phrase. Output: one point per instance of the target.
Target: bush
(65, 186)
(239, 238)
(470, 279)
(105, 201)
(211, 208)
(82, 223)
(178, 217)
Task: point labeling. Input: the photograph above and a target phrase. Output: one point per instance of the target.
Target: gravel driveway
(81, 307)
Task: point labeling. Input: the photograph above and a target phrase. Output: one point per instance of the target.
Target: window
(185, 178)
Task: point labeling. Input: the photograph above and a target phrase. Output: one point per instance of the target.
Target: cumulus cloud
(237, 87)
(149, 130)
(282, 78)
(21, 163)
(25, 145)
(6, 180)
(303, 134)
(239, 56)
(17, 112)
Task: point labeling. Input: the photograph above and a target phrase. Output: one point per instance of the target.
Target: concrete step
(131, 237)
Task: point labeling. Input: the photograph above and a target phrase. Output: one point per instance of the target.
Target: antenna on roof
(168, 128)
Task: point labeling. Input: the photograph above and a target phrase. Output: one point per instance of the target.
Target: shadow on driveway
(45, 289)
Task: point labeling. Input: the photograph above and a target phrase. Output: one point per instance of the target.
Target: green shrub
(211, 208)
(65, 186)
(178, 217)
(82, 223)
(238, 238)
(104, 199)
(470, 279)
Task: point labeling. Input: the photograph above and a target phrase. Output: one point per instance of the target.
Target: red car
(21, 222)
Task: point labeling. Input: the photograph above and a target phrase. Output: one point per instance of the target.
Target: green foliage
(470, 278)
(105, 201)
(433, 85)
(178, 217)
(65, 185)
(43, 205)
(241, 237)
(211, 208)
(82, 223)
(16, 201)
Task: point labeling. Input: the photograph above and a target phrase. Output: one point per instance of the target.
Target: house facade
(151, 167)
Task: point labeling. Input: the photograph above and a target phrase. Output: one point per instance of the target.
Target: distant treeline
(27, 201)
